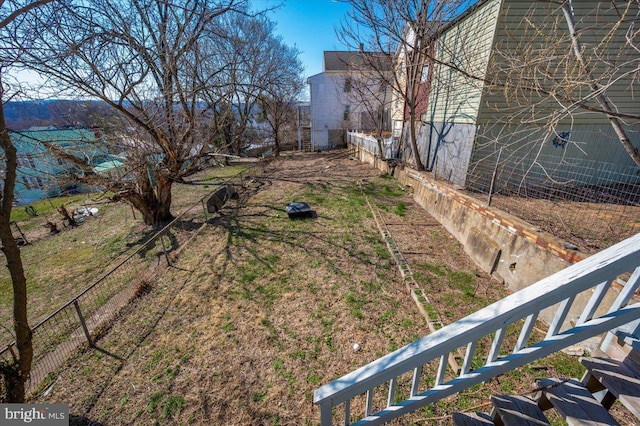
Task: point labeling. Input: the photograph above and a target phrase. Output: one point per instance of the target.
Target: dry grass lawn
(260, 310)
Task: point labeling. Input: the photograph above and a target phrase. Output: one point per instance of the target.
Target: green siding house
(41, 174)
(505, 79)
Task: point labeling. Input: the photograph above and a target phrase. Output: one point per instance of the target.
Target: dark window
(32, 182)
(26, 161)
(347, 85)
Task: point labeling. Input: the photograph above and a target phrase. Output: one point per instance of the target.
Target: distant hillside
(57, 113)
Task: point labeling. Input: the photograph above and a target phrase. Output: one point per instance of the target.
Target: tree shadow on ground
(76, 420)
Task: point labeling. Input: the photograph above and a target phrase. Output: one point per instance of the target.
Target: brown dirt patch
(590, 226)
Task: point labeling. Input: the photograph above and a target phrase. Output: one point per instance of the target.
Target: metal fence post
(204, 209)
(83, 322)
(493, 177)
(164, 248)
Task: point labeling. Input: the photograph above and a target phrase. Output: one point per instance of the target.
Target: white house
(338, 101)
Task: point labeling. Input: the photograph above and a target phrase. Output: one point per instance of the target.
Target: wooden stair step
(574, 402)
(517, 410)
(472, 419)
(617, 377)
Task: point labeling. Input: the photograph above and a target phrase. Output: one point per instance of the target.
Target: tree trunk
(11, 251)
(379, 140)
(163, 212)
(276, 151)
(414, 140)
(153, 204)
(237, 146)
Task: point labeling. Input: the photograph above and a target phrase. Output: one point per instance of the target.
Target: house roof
(109, 165)
(351, 61)
(57, 136)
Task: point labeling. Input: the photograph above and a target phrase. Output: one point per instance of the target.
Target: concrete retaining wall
(510, 249)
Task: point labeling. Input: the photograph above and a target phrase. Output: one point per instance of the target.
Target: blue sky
(309, 25)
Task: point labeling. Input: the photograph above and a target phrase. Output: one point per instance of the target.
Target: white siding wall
(327, 107)
(329, 101)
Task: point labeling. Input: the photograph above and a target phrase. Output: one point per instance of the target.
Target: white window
(425, 74)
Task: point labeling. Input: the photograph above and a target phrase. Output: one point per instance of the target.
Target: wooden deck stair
(579, 402)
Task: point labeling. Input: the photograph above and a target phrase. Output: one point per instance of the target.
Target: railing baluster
(442, 370)
(415, 383)
(627, 291)
(326, 416)
(560, 316)
(623, 299)
(392, 392)
(557, 292)
(347, 412)
(523, 338)
(596, 298)
(468, 357)
(496, 345)
(367, 408)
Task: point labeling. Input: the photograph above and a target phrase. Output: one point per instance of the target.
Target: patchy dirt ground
(590, 226)
(260, 310)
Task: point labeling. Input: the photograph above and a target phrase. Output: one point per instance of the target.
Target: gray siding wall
(536, 36)
(588, 154)
(530, 125)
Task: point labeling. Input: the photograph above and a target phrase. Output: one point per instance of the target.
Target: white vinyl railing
(373, 390)
(370, 144)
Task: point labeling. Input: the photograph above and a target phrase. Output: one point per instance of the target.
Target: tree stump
(66, 216)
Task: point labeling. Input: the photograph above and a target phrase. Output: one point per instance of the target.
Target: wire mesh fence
(591, 204)
(75, 324)
(588, 203)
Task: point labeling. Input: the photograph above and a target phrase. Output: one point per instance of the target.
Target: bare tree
(404, 31)
(142, 58)
(370, 93)
(278, 102)
(10, 12)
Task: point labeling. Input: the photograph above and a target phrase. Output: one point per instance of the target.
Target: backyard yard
(259, 310)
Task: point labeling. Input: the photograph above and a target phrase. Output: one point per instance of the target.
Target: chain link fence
(83, 317)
